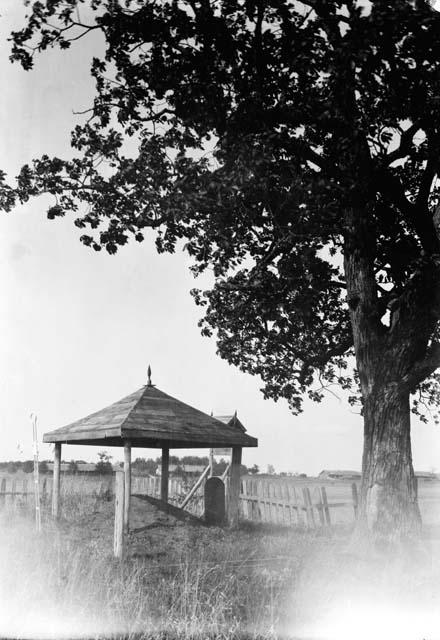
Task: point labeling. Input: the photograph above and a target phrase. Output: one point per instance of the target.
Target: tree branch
(424, 368)
(390, 187)
(426, 183)
(405, 143)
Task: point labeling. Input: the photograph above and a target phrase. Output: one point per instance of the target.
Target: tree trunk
(388, 510)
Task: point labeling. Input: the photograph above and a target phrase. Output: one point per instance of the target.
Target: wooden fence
(17, 493)
(286, 503)
(290, 503)
(177, 491)
(276, 501)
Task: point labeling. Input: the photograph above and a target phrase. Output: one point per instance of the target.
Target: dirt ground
(155, 533)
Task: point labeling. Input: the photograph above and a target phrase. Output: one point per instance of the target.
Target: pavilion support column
(127, 484)
(56, 481)
(234, 487)
(165, 472)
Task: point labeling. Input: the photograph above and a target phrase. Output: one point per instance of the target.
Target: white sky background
(78, 328)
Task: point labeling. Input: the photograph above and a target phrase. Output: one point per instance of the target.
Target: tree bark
(388, 510)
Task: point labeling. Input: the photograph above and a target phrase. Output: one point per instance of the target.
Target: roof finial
(149, 376)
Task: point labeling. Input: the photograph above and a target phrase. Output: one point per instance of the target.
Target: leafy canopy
(247, 128)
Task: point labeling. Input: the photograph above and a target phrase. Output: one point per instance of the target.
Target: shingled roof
(151, 418)
(232, 421)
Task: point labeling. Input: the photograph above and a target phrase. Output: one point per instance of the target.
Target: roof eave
(86, 434)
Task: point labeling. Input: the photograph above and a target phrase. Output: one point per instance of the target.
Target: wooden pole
(354, 493)
(127, 484)
(211, 463)
(56, 481)
(164, 474)
(36, 474)
(194, 488)
(309, 507)
(234, 487)
(3, 492)
(326, 507)
(320, 508)
(118, 542)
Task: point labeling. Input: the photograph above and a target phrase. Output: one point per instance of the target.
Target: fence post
(320, 507)
(309, 507)
(260, 507)
(267, 505)
(25, 491)
(286, 505)
(354, 493)
(13, 494)
(325, 504)
(280, 500)
(3, 492)
(118, 542)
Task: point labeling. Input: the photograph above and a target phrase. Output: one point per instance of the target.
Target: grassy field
(177, 579)
(183, 580)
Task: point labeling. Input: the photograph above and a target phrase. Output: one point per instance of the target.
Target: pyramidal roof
(232, 420)
(151, 418)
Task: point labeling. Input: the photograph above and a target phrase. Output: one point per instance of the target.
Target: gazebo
(150, 418)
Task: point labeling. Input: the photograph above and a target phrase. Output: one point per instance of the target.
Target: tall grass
(183, 582)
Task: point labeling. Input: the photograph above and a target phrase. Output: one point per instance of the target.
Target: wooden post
(3, 492)
(13, 494)
(320, 507)
(25, 491)
(354, 493)
(309, 507)
(326, 507)
(118, 541)
(194, 488)
(234, 487)
(164, 474)
(56, 481)
(285, 498)
(211, 463)
(127, 484)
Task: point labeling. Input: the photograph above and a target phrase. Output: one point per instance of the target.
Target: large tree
(294, 146)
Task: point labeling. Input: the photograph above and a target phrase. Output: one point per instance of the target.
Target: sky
(78, 329)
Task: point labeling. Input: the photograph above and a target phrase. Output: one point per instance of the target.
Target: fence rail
(289, 504)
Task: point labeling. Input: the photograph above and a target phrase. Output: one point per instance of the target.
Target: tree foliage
(104, 465)
(249, 129)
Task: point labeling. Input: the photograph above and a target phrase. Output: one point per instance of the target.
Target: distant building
(339, 474)
(231, 420)
(426, 476)
(64, 466)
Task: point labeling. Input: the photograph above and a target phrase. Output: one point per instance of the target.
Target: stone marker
(215, 501)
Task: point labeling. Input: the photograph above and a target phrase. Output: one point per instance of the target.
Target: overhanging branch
(424, 368)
